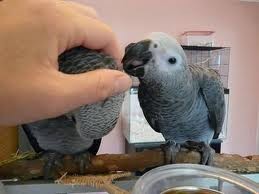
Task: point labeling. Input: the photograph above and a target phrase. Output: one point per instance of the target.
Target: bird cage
(214, 57)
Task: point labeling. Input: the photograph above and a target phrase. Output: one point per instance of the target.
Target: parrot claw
(83, 160)
(207, 153)
(52, 160)
(170, 148)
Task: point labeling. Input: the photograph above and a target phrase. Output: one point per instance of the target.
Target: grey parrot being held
(78, 132)
(182, 101)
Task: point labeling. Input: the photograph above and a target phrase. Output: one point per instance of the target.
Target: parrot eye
(172, 60)
(155, 45)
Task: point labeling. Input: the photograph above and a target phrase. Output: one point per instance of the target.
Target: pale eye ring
(172, 60)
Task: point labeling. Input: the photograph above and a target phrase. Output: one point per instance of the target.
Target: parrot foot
(83, 160)
(52, 161)
(170, 148)
(207, 153)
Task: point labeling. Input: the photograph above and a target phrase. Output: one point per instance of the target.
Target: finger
(94, 34)
(88, 88)
(112, 48)
(83, 9)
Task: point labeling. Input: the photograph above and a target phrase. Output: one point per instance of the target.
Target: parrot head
(159, 54)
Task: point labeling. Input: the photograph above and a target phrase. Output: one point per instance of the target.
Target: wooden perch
(107, 163)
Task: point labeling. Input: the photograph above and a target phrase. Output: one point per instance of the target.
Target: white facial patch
(166, 53)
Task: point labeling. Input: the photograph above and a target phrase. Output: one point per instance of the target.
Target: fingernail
(123, 83)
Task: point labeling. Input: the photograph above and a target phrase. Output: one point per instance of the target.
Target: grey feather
(62, 134)
(183, 102)
(213, 94)
(59, 135)
(181, 115)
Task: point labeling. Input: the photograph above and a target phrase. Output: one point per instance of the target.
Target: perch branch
(107, 163)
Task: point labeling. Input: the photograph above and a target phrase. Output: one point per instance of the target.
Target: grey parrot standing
(78, 132)
(183, 102)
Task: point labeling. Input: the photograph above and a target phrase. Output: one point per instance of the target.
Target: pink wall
(257, 145)
(114, 141)
(257, 136)
(235, 24)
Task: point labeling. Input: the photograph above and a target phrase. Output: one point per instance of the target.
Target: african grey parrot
(182, 101)
(78, 132)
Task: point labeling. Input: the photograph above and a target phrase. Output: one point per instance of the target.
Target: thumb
(90, 87)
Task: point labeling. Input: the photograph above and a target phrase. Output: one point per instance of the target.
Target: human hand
(32, 35)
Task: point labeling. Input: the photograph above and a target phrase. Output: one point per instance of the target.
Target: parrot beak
(137, 55)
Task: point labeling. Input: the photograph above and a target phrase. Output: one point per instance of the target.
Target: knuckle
(92, 11)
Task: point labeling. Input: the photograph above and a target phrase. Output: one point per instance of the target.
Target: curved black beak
(135, 58)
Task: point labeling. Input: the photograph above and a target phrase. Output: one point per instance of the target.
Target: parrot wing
(50, 125)
(212, 91)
